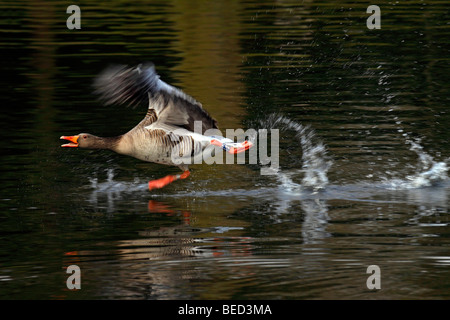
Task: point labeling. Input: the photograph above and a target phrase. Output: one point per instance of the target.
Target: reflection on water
(364, 152)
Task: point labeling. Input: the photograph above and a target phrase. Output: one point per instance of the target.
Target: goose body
(171, 132)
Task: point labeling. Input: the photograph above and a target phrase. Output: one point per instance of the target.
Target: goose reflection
(157, 258)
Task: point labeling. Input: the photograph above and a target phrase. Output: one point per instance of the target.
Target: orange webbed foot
(162, 182)
(185, 174)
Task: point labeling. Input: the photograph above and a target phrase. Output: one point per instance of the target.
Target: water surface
(363, 179)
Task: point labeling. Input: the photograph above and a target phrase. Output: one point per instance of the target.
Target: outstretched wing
(142, 85)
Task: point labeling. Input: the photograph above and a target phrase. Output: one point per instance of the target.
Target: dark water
(364, 127)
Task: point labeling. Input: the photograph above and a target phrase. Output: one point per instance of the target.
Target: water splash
(109, 191)
(302, 180)
(428, 171)
(115, 186)
(315, 160)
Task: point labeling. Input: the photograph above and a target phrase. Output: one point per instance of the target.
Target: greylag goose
(172, 131)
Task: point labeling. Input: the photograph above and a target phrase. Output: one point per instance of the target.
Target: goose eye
(84, 137)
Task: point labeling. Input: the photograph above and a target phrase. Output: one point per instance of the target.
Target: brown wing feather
(141, 85)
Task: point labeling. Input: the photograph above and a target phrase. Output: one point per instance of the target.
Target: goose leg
(231, 147)
(162, 182)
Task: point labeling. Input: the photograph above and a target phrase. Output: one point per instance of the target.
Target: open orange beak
(73, 141)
